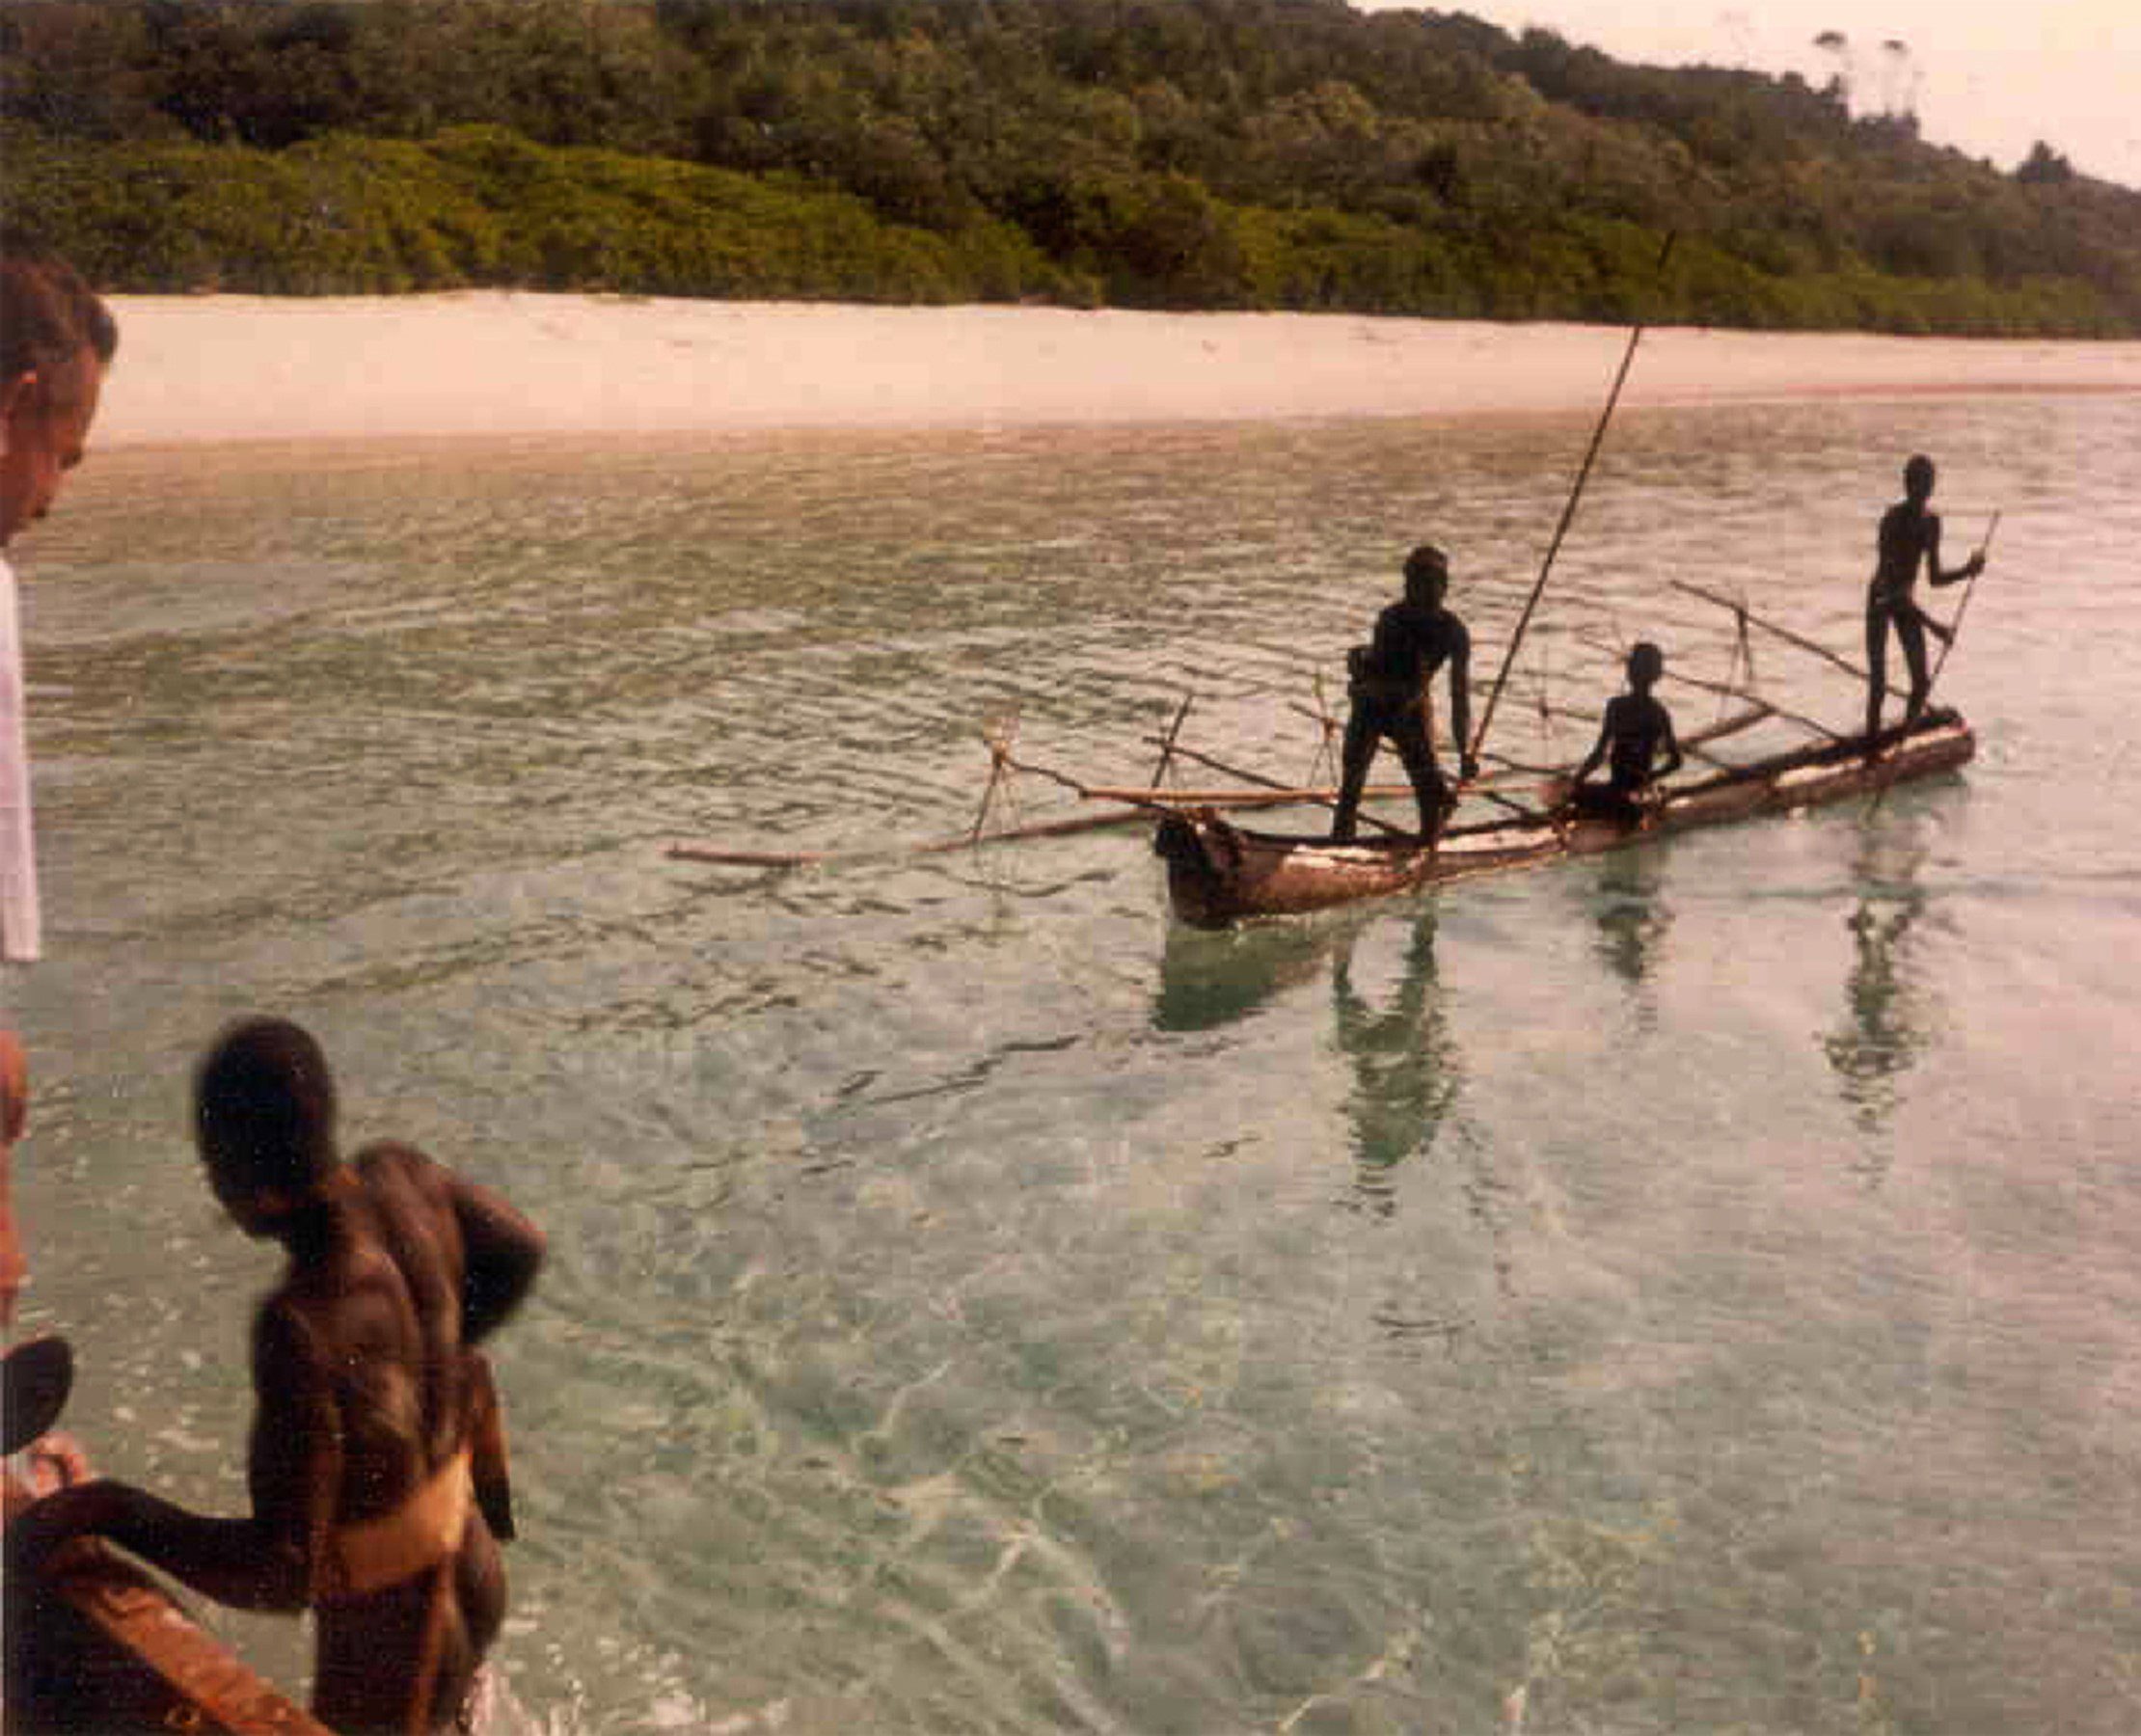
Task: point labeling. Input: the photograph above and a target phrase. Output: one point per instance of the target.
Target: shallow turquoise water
(1696, 1290)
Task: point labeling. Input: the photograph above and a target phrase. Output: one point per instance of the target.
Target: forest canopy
(1290, 154)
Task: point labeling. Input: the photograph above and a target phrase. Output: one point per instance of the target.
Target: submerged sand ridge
(500, 362)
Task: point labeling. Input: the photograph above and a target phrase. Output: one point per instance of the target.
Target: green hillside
(1152, 153)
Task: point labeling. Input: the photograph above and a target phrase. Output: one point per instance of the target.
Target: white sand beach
(251, 368)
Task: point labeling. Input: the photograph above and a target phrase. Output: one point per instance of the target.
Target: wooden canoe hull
(1219, 874)
(101, 1648)
(96, 1645)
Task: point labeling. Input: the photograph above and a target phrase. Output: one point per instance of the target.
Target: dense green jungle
(1279, 154)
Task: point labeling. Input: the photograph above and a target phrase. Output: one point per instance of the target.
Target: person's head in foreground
(56, 340)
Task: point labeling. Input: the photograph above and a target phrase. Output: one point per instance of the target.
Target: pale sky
(1989, 79)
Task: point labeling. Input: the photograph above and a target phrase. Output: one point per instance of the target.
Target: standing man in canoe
(377, 1459)
(1909, 537)
(1390, 696)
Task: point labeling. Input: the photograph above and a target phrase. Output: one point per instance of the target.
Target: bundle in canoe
(1219, 874)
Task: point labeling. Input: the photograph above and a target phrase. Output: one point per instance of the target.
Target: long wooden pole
(1131, 813)
(1561, 530)
(1279, 795)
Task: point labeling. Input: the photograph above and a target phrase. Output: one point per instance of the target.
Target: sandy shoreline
(242, 368)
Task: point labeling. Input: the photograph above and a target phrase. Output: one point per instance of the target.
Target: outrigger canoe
(1219, 874)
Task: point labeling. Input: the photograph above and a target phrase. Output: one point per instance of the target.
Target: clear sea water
(1695, 1290)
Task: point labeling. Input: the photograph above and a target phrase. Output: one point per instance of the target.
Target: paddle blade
(40, 1376)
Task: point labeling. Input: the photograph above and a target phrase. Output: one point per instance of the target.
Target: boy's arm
(1597, 754)
(231, 1560)
(262, 1563)
(504, 1253)
(1671, 743)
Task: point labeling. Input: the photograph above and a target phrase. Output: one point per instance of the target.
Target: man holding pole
(1390, 693)
(1910, 535)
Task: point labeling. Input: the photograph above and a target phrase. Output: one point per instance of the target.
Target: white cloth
(21, 934)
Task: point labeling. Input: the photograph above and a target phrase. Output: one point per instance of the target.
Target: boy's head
(1645, 664)
(264, 1120)
(1426, 576)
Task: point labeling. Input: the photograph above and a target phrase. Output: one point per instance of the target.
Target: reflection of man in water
(1403, 1077)
(1909, 536)
(377, 1463)
(1635, 741)
(1629, 906)
(1390, 676)
(1890, 1006)
(1884, 1035)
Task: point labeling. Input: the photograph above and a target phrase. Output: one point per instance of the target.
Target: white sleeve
(20, 932)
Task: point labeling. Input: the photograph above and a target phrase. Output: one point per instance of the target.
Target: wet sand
(244, 369)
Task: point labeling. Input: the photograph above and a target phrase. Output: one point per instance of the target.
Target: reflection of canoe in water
(1218, 873)
(1209, 980)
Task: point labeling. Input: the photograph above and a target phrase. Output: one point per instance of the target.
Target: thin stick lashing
(1742, 614)
(1167, 745)
(997, 739)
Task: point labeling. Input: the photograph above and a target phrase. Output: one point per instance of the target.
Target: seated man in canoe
(1389, 690)
(1635, 744)
(1909, 536)
(377, 1460)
